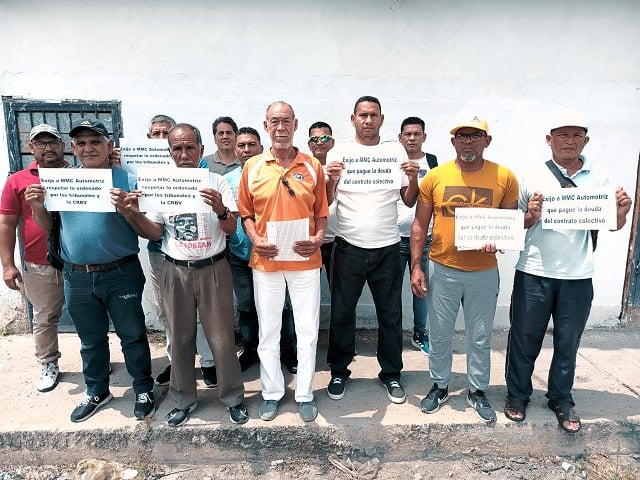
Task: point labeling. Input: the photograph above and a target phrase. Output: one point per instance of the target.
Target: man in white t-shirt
(196, 280)
(412, 136)
(367, 244)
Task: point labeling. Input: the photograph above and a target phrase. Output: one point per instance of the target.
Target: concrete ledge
(364, 424)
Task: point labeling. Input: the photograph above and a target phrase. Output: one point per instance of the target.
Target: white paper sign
(582, 208)
(170, 189)
(371, 173)
(283, 234)
(475, 227)
(144, 152)
(77, 189)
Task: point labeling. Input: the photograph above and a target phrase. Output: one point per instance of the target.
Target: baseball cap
(88, 124)
(569, 118)
(471, 121)
(44, 128)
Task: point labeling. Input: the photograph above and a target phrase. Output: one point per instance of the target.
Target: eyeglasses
(320, 138)
(44, 145)
(474, 137)
(285, 182)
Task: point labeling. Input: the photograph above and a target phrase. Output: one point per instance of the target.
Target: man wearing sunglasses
(367, 245)
(43, 284)
(320, 142)
(277, 188)
(460, 277)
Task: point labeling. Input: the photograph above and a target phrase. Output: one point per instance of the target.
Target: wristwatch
(224, 215)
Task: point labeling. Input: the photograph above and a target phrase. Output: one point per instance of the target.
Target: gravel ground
(595, 466)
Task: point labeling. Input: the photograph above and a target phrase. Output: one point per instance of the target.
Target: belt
(102, 267)
(196, 263)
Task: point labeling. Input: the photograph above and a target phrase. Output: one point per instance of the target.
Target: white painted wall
(514, 62)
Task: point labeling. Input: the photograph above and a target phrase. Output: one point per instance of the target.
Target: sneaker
(164, 377)
(420, 341)
(395, 392)
(268, 410)
(308, 411)
(209, 376)
(478, 401)
(336, 387)
(144, 406)
(436, 397)
(177, 417)
(238, 413)
(48, 377)
(89, 405)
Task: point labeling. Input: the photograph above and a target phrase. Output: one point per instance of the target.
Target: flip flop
(515, 409)
(565, 413)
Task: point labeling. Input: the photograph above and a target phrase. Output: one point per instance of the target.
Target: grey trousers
(207, 291)
(477, 293)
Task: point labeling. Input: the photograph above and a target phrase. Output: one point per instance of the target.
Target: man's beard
(468, 158)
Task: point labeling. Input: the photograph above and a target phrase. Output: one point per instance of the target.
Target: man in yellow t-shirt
(460, 277)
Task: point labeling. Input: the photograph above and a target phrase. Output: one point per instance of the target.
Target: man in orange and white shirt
(283, 189)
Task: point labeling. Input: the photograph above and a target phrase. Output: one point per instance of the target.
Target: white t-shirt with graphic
(195, 236)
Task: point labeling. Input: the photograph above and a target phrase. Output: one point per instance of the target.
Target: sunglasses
(285, 182)
(320, 138)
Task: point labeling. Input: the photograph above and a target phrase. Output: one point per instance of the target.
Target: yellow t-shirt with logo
(447, 187)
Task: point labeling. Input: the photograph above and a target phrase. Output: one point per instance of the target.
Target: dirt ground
(594, 466)
(468, 467)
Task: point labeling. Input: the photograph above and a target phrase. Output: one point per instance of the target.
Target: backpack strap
(432, 161)
(566, 182)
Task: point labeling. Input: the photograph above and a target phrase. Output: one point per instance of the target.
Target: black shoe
(336, 388)
(483, 408)
(89, 406)
(164, 377)
(395, 392)
(177, 417)
(248, 358)
(209, 376)
(144, 406)
(238, 413)
(436, 397)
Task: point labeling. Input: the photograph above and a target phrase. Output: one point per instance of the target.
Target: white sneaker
(48, 377)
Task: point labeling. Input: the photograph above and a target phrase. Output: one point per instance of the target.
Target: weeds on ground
(599, 466)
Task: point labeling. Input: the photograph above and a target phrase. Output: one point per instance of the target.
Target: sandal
(565, 413)
(515, 409)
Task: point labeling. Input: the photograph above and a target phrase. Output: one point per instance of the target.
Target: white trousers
(269, 294)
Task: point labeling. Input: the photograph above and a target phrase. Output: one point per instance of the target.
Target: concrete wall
(514, 62)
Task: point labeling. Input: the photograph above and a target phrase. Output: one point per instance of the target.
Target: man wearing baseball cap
(103, 280)
(42, 283)
(460, 277)
(553, 275)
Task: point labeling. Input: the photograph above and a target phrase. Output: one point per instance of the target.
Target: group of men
(276, 217)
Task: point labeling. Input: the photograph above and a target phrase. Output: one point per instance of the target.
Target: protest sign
(475, 227)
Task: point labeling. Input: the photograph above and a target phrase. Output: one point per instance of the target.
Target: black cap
(88, 124)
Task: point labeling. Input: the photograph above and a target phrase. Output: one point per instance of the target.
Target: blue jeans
(380, 269)
(420, 305)
(248, 318)
(92, 299)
